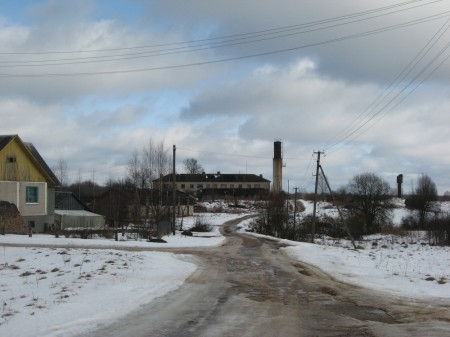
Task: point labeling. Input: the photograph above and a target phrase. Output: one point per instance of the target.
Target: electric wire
(395, 83)
(386, 112)
(308, 24)
(309, 165)
(382, 109)
(178, 50)
(348, 131)
(201, 63)
(233, 40)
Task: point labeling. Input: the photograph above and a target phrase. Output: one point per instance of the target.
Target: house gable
(27, 182)
(20, 161)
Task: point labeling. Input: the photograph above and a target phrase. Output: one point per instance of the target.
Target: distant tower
(277, 183)
(399, 185)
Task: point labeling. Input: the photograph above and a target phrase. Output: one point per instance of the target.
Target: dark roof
(66, 200)
(5, 140)
(215, 177)
(42, 163)
(150, 195)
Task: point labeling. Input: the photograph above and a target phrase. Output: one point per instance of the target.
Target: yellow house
(27, 181)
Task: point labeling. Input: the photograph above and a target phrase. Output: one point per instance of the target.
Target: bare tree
(422, 199)
(149, 163)
(143, 168)
(146, 166)
(192, 166)
(163, 164)
(60, 170)
(134, 170)
(370, 203)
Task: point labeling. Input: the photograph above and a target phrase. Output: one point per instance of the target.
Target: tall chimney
(399, 185)
(277, 182)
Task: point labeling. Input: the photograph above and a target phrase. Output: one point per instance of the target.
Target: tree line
(145, 166)
(367, 204)
(133, 198)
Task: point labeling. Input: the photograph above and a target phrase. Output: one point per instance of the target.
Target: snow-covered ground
(401, 265)
(398, 213)
(58, 291)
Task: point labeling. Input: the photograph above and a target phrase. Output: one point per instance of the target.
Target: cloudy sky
(367, 83)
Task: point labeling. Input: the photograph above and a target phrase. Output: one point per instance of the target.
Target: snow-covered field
(58, 291)
(412, 269)
(400, 266)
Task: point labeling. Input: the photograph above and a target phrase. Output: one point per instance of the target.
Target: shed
(78, 219)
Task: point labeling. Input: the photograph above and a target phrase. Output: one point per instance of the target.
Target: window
(257, 186)
(183, 186)
(223, 185)
(231, 185)
(191, 186)
(10, 159)
(32, 195)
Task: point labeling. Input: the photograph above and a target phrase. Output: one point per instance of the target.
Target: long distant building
(217, 185)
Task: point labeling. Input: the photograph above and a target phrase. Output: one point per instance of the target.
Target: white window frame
(35, 200)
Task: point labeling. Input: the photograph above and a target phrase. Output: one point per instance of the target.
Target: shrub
(200, 209)
(201, 226)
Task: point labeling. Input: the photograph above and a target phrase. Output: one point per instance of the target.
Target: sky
(90, 82)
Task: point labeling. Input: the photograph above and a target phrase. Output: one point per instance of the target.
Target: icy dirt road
(248, 288)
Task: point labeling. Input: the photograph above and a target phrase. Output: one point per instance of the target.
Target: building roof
(215, 178)
(77, 213)
(129, 195)
(5, 140)
(69, 201)
(42, 163)
(34, 155)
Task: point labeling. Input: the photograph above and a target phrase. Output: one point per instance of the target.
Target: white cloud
(227, 115)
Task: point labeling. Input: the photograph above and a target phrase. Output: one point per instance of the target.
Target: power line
(202, 63)
(398, 102)
(309, 165)
(348, 131)
(204, 46)
(270, 31)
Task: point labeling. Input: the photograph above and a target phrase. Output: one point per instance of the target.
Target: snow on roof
(75, 213)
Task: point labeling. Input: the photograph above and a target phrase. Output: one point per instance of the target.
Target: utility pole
(338, 208)
(313, 222)
(174, 193)
(295, 204)
(93, 189)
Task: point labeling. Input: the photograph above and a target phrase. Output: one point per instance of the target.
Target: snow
(76, 213)
(57, 291)
(214, 238)
(389, 266)
(406, 266)
(60, 291)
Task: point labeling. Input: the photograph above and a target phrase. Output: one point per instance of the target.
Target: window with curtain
(32, 195)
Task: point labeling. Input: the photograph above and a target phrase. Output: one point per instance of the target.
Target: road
(247, 287)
